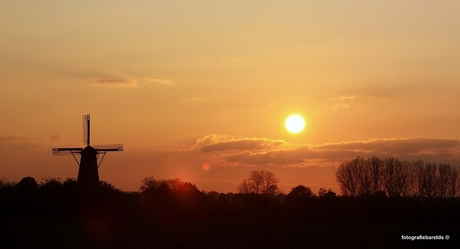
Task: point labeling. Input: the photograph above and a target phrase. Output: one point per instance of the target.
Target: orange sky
(182, 83)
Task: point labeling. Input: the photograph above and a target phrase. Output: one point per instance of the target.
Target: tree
(323, 193)
(346, 176)
(454, 183)
(375, 172)
(429, 180)
(390, 176)
(404, 179)
(27, 187)
(170, 197)
(260, 182)
(417, 178)
(51, 189)
(364, 177)
(300, 191)
(444, 170)
(299, 196)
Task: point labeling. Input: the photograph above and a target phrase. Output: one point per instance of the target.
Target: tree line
(392, 177)
(371, 190)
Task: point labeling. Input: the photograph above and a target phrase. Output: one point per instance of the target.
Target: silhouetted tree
(7, 198)
(390, 175)
(453, 183)
(396, 178)
(170, 197)
(375, 173)
(260, 182)
(27, 188)
(302, 192)
(417, 178)
(444, 170)
(364, 177)
(50, 188)
(322, 192)
(299, 202)
(346, 176)
(108, 187)
(7, 188)
(429, 180)
(404, 179)
(213, 195)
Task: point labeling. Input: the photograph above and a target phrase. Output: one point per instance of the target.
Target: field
(105, 233)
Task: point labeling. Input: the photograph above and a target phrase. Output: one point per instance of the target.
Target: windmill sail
(86, 129)
(66, 151)
(109, 147)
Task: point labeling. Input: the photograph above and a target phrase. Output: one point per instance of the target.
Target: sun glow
(295, 123)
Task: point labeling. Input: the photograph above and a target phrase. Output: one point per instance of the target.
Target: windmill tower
(89, 156)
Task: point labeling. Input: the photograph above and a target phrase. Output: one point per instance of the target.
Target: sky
(199, 90)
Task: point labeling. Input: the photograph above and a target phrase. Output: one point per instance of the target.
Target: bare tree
(375, 173)
(246, 187)
(364, 177)
(417, 176)
(389, 176)
(454, 183)
(346, 176)
(444, 170)
(404, 178)
(260, 182)
(428, 178)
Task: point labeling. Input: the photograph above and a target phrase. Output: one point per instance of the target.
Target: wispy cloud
(196, 99)
(20, 141)
(112, 82)
(341, 102)
(271, 104)
(160, 81)
(56, 137)
(348, 97)
(338, 106)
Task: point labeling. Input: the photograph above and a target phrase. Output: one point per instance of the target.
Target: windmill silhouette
(89, 156)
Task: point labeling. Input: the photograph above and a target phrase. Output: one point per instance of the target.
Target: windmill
(89, 156)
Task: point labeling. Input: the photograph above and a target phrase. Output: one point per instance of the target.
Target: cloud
(20, 141)
(160, 81)
(197, 99)
(216, 142)
(277, 157)
(349, 97)
(338, 106)
(55, 137)
(230, 151)
(117, 82)
(271, 104)
(429, 149)
(397, 146)
(341, 102)
(111, 82)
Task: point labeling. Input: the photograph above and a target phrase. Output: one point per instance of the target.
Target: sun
(295, 123)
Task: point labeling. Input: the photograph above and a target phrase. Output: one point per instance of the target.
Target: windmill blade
(109, 147)
(86, 130)
(66, 151)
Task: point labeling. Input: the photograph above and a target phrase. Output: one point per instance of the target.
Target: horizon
(201, 91)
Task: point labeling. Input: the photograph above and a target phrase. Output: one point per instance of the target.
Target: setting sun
(295, 123)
